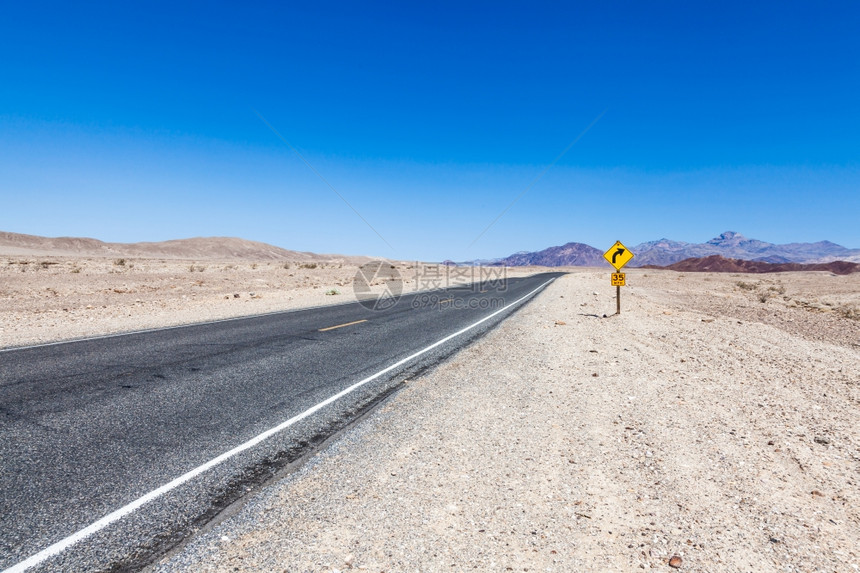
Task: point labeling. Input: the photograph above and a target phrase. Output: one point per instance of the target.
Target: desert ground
(712, 426)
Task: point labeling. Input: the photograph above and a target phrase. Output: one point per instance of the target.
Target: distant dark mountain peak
(570, 254)
(733, 240)
(728, 238)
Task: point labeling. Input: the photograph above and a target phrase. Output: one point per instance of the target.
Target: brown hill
(198, 248)
(718, 264)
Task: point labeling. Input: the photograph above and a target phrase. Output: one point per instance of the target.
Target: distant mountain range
(198, 248)
(735, 246)
(664, 252)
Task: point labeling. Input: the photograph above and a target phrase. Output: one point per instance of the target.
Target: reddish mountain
(718, 264)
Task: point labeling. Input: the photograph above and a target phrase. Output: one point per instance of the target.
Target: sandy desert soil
(712, 426)
(45, 299)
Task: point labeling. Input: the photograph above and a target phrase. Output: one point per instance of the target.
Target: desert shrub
(119, 262)
(332, 292)
(745, 286)
(850, 312)
(308, 266)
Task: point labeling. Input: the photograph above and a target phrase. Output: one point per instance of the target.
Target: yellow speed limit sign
(619, 279)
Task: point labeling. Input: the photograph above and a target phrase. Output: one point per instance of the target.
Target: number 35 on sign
(619, 279)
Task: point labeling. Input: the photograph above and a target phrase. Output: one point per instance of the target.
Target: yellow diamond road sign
(618, 255)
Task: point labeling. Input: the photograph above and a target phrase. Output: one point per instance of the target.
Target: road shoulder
(567, 441)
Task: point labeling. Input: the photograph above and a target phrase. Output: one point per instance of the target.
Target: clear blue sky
(136, 122)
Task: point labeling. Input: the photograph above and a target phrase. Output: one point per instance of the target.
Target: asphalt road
(104, 442)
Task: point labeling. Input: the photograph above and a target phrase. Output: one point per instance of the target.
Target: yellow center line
(341, 325)
(446, 300)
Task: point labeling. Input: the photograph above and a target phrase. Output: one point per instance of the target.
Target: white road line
(118, 514)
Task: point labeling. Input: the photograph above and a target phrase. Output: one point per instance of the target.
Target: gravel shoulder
(701, 424)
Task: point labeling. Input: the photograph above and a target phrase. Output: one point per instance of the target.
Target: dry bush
(850, 312)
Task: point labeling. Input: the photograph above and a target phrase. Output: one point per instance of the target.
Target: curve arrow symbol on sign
(615, 255)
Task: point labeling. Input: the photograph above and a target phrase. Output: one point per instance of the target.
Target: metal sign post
(618, 280)
(618, 255)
